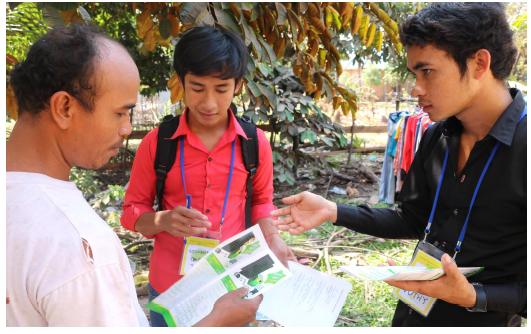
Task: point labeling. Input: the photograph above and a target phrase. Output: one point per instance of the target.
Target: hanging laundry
(405, 130)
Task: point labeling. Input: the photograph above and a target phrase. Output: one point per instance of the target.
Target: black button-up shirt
(496, 236)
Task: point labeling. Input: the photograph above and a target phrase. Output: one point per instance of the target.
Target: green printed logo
(251, 248)
(215, 264)
(275, 277)
(228, 283)
(198, 254)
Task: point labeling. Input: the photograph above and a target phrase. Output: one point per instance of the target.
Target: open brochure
(403, 273)
(309, 298)
(244, 259)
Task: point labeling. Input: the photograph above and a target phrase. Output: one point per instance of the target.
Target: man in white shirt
(65, 266)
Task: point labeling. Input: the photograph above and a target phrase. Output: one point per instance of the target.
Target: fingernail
(208, 224)
(448, 259)
(205, 217)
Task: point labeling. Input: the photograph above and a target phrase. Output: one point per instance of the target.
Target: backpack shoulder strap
(250, 160)
(166, 153)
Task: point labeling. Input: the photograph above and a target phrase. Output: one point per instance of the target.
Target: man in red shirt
(210, 63)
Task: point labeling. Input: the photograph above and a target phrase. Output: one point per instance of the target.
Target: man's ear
(62, 108)
(480, 64)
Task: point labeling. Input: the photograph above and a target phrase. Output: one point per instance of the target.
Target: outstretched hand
(307, 211)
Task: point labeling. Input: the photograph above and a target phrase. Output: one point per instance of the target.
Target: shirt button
(209, 159)
(207, 210)
(208, 185)
(455, 212)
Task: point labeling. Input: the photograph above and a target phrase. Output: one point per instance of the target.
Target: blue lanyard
(463, 230)
(228, 185)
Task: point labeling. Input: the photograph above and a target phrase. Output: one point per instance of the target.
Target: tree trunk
(351, 141)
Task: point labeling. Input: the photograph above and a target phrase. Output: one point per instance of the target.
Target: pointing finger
(292, 199)
(281, 212)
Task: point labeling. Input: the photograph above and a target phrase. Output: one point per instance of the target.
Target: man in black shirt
(460, 54)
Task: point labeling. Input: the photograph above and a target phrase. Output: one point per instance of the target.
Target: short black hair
(62, 60)
(463, 28)
(206, 50)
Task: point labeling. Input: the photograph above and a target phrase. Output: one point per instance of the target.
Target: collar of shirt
(230, 134)
(504, 128)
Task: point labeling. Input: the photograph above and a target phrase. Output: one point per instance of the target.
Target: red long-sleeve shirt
(207, 174)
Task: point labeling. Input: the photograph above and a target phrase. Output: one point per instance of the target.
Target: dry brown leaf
(149, 40)
(175, 25)
(174, 80)
(11, 103)
(280, 48)
(318, 24)
(11, 60)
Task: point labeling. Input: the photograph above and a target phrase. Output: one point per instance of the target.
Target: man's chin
(96, 166)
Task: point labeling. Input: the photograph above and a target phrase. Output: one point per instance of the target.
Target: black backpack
(167, 151)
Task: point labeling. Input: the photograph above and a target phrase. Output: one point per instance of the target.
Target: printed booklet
(244, 259)
(402, 273)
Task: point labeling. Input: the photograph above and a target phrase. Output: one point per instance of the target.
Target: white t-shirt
(51, 280)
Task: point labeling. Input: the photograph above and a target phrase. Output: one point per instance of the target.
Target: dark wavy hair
(62, 60)
(463, 28)
(205, 50)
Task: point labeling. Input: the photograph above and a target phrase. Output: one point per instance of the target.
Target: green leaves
(227, 20)
(203, 19)
(51, 15)
(282, 13)
(165, 28)
(269, 50)
(273, 99)
(252, 86)
(191, 10)
(64, 6)
(84, 14)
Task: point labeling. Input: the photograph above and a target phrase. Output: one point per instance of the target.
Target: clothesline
(404, 129)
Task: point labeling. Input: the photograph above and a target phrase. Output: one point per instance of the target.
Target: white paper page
(401, 273)
(309, 298)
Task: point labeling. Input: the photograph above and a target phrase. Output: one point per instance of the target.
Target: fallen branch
(328, 186)
(318, 260)
(305, 253)
(126, 247)
(126, 236)
(344, 177)
(407, 243)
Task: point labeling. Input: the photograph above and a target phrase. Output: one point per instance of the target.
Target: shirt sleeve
(409, 219)
(141, 192)
(262, 200)
(508, 298)
(97, 298)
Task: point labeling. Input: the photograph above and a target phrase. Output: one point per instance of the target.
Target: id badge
(194, 250)
(429, 256)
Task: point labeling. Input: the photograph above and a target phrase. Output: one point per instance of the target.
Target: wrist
(332, 211)
(471, 299)
(272, 237)
(160, 218)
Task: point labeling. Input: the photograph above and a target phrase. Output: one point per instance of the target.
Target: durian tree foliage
(294, 53)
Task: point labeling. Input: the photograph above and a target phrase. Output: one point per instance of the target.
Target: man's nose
(209, 103)
(418, 90)
(126, 128)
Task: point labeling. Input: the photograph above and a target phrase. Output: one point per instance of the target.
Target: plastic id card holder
(194, 250)
(429, 256)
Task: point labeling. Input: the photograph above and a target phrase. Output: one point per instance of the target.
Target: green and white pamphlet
(244, 259)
